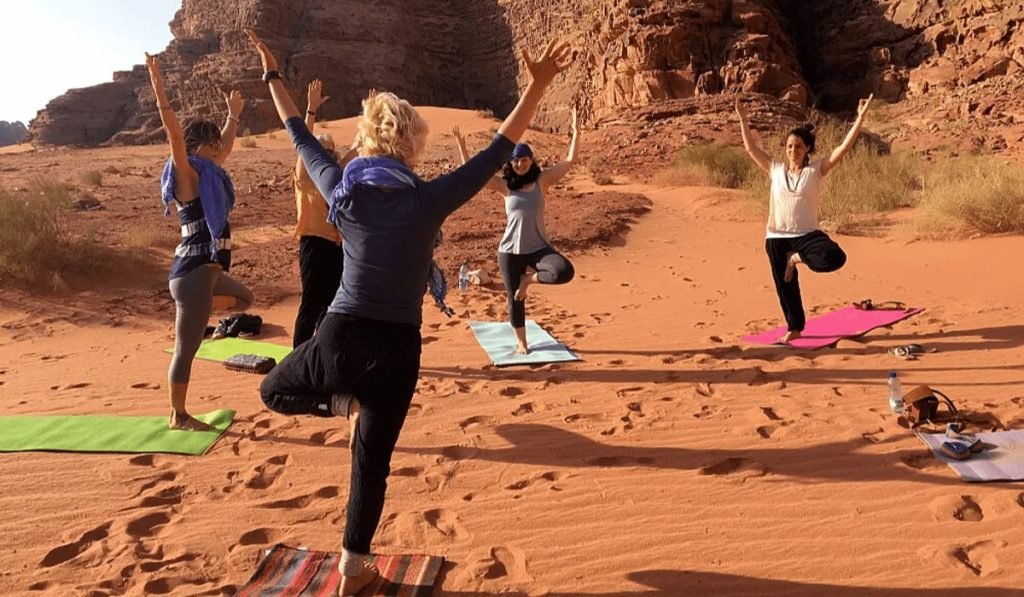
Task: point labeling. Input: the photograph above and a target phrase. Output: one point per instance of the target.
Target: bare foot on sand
(522, 348)
(186, 422)
(351, 585)
(789, 337)
(794, 259)
(524, 283)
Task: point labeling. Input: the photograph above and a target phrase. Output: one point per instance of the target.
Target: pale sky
(50, 46)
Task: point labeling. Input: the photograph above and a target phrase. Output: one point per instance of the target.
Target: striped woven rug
(286, 571)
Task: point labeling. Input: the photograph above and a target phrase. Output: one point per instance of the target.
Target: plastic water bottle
(463, 277)
(896, 394)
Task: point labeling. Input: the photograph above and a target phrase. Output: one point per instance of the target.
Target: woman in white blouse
(793, 235)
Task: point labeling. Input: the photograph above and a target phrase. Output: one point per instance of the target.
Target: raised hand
(555, 58)
(740, 110)
(458, 135)
(266, 57)
(314, 95)
(864, 104)
(234, 101)
(155, 78)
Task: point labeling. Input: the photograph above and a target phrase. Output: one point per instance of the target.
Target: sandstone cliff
(630, 54)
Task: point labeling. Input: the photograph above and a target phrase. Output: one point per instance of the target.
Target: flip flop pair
(908, 351)
(869, 305)
(960, 446)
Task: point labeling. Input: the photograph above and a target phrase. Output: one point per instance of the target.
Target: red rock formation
(630, 54)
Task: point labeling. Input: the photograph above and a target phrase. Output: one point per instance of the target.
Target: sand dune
(672, 460)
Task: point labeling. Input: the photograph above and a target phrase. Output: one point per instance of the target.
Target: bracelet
(235, 118)
(270, 75)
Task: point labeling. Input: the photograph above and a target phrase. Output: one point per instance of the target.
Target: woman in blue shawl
(367, 349)
(201, 191)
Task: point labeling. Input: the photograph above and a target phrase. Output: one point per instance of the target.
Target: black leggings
(379, 363)
(818, 252)
(320, 266)
(551, 266)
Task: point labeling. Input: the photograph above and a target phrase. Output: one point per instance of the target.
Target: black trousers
(551, 266)
(379, 363)
(818, 252)
(320, 266)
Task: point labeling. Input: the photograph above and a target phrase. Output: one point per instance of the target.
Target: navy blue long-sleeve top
(389, 235)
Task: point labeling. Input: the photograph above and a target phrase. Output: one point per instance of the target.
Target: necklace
(796, 185)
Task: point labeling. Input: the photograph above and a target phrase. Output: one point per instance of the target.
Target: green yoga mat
(95, 433)
(225, 348)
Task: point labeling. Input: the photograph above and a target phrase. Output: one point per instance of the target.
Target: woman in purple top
(367, 349)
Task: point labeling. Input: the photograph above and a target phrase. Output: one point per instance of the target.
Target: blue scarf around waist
(389, 175)
(216, 194)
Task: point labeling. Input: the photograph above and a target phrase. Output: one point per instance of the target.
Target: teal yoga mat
(95, 433)
(225, 348)
(499, 341)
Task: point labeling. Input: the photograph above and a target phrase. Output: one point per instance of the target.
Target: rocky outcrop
(630, 54)
(11, 133)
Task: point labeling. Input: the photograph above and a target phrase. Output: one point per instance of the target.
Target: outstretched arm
(453, 190)
(314, 99)
(837, 154)
(322, 168)
(496, 183)
(753, 149)
(186, 179)
(227, 134)
(555, 173)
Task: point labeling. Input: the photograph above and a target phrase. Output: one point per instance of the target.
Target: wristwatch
(271, 74)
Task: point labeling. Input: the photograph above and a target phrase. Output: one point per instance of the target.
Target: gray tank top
(525, 232)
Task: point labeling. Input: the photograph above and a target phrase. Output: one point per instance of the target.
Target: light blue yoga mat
(499, 341)
(225, 348)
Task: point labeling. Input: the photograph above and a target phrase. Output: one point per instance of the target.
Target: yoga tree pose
(202, 192)
(366, 352)
(525, 255)
(793, 236)
(320, 255)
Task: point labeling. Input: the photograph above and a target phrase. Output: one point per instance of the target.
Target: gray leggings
(193, 296)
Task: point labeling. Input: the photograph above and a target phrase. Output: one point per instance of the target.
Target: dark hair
(198, 132)
(806, 134)
(514, 181)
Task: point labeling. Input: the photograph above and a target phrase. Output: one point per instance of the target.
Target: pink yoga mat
(831, 327)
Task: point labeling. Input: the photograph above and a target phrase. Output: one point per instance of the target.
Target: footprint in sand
(968, 510)
(143, 460)
(615, 461)
(511, 392)
(324, 493)
(148, 525)
(72, 386)
(502, 564)
(457, 453)
(165, 477)
(422, 528)
(407, 471)
(164, 498)
(920, 461)
(548, 477)
(145, 385)
(262, 537)
(429, 339)
(264, 475)
(525, 408)
(1020, 500)
(475, 422)
(979, 558)
(872, 436)
(72, 550)
(741, 467)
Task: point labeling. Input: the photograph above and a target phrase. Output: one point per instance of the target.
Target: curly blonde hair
(391, 127)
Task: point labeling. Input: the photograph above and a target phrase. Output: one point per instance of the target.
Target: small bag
(922, 406)
(250, 363)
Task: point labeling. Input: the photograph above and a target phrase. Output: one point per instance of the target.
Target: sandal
(954, 431)
(869, 305)
(955, 450)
